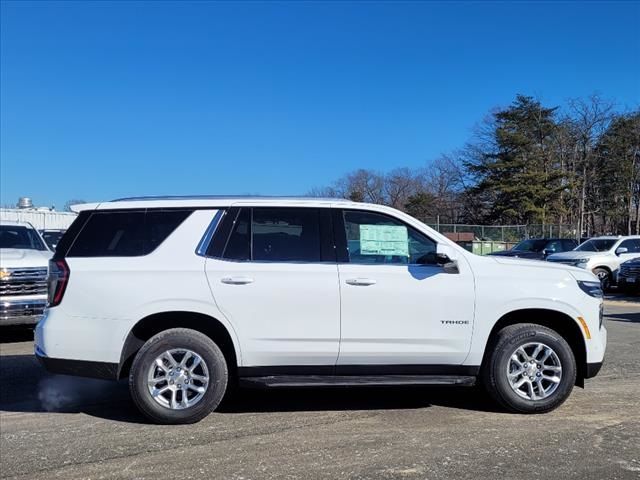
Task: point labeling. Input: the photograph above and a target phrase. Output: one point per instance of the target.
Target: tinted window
(554, 246)
(239, 244)
(16, 236)
(530, 246)
(633, 245)
(286, 234)
(596, 245)
(125, 233)
(52, 237)
(375, 238)
(569, 244)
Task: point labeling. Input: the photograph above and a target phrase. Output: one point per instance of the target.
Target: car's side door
(272, 272)
(396, 308)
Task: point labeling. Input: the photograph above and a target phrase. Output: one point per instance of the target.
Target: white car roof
(210, 201)
(15, 223)
(614, 237)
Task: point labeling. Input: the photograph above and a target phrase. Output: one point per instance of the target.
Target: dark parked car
(539, 248)
(629, 276)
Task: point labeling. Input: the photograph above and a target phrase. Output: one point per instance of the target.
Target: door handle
(237, 280)
(361, 282)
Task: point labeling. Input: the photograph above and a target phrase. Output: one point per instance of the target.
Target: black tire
(494, 373)
(177, 338)
(605, 278)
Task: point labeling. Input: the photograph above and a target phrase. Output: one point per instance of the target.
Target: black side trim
(359, 370)
(592, 369)
(80, 368)
(297, 381)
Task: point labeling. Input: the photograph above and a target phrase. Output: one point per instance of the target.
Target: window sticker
(384, 240)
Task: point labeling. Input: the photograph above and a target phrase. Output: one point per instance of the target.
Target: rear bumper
(21, 312)
(78, 368)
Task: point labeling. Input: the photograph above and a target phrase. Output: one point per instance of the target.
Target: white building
(41, 218)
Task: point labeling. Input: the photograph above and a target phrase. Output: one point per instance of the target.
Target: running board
(295, 381)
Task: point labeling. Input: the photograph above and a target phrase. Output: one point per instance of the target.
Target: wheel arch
(155, 323)
(557, 321)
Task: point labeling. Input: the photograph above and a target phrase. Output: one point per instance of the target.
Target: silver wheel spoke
(170, 359)
(159, 391)
(196, 389)
(185, 359)
(537, 351)
(196, 362)
(166, 377)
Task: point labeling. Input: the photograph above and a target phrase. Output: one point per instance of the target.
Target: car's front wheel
(178, 376)
(531, 369)
(604, 276)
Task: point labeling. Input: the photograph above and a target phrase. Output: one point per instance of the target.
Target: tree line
(577, 165)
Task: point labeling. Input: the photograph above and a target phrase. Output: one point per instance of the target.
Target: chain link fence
(508, 233)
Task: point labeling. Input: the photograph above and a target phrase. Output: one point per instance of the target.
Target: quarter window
(373, 238)
(125, 233)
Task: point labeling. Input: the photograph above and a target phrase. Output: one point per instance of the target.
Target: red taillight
(58, 279)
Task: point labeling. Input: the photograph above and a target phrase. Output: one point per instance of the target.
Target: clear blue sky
(101, 100)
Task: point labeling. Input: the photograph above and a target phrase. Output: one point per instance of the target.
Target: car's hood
(534, 263)
(24, 258)
(516, 254)
(573, 255)
(632, 263)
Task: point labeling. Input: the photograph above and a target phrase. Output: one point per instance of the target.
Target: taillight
(57, 281)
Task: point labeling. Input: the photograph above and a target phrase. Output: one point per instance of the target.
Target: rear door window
(125, 233)
(281, 234)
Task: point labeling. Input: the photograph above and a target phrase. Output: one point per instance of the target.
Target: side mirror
(443, 258)
(548, 251)
(434, 258)
(621, 250)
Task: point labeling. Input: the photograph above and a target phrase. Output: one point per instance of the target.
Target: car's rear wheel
(178, 376)
(604, 276)
(531, 369)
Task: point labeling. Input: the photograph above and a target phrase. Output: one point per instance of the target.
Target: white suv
(190, 296)
(602, 256)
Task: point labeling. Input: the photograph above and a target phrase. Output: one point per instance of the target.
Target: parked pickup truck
(24, 259)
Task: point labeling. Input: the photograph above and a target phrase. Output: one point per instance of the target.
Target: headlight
(593, 289)
(583, 260)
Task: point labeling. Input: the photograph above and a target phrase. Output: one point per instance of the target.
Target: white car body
(311, 317)
(23, 273)
(608, 260)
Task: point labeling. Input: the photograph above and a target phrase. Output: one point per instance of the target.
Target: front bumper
(21, 312)
(592, 369)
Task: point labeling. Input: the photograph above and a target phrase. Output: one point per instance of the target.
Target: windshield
(597, 245)
(15, 236)
(530, 246)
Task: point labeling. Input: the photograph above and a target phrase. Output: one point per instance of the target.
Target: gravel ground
(72, 428)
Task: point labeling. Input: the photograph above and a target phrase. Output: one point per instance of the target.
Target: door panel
(394, 311)
(283, 314)
(277, 284)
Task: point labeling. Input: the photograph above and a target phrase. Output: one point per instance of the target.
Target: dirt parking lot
(72, 428)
